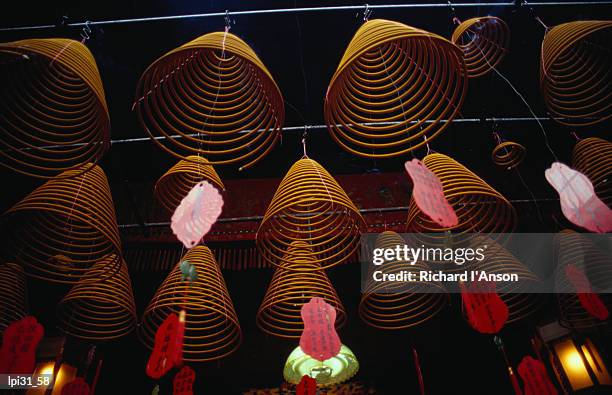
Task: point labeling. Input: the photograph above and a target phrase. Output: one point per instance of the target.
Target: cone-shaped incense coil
(508, 154)
(575, 72)
(64, 227)
(484, 42)
(310, 206)
(593, 158)
(212, 330)
(13, 295)
(280, 311)
(596, 264)
(100, 310)
(176, 183)
(393, 88)
(402, 305)
(215, 95)
(479, 207)
(54, 116)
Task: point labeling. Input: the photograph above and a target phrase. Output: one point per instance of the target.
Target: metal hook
(453, 14)
(228, 20)
(304, 135)
(367, 13)
(85, 33)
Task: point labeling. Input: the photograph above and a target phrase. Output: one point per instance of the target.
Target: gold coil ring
(508, 154)
(593, 157)
(13, 295)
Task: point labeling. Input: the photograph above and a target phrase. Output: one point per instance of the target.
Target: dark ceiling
(302, 51)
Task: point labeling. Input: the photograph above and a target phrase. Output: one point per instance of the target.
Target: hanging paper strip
(535, 377)
(197, 213)
(19, 342)
(485, 310)
(319, 339)
(183, 381)
(591, 301)
(428, 194)
(579, 203)
(307, 386)
(168, 349)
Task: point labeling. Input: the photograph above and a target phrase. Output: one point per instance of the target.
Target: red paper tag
(77, 386)
(429, 195)
(168, 349)
(183, 381)
(319, 339)
(535, 377)
(579, 203)
(486, 311)
(19, 342)
(307, 386)
(589, 300)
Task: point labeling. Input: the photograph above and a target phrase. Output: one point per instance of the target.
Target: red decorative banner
(579, 203)
(307, 386)
(429, 195)
(183, 381)
(319, 338)
(589, 300)
(485, 310)
(19, 342)
(197, 213)
(535, 377)
(168, 349)
(77, 386)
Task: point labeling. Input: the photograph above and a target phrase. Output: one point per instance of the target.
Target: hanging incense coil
(54, 116)
(211, 97)
(396, 88)
(575, 72)
(478, 206)
(212, 330)
(100, 310)
(484, 42)
(13, 295)
(400, 305)
(508, 154)
(310, 206)
(176, 183)
(596, 263)
(64, 227)
(593, 157)
(291, 288)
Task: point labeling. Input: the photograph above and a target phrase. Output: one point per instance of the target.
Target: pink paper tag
(77, 386)
(429, 195)
(19, 342)
(197, 213)
(319, 339)
(535, 377)
(579, 203)
(589, 300)
(183, 381)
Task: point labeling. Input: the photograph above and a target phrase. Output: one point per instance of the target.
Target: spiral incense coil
(310, 206)
(100, 310)
(176, 183)
(54, 116)
(291, 288)
(484, 42)
(211, 97)
(593, 158)
(212, 330)
(395, 89)
(596, 263)
(392, 306)
(13, 295)
(575, 72)
(478, 206)
(508, 154)
(64, 227)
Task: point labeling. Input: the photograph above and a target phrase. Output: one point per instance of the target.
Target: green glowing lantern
(334, 370)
